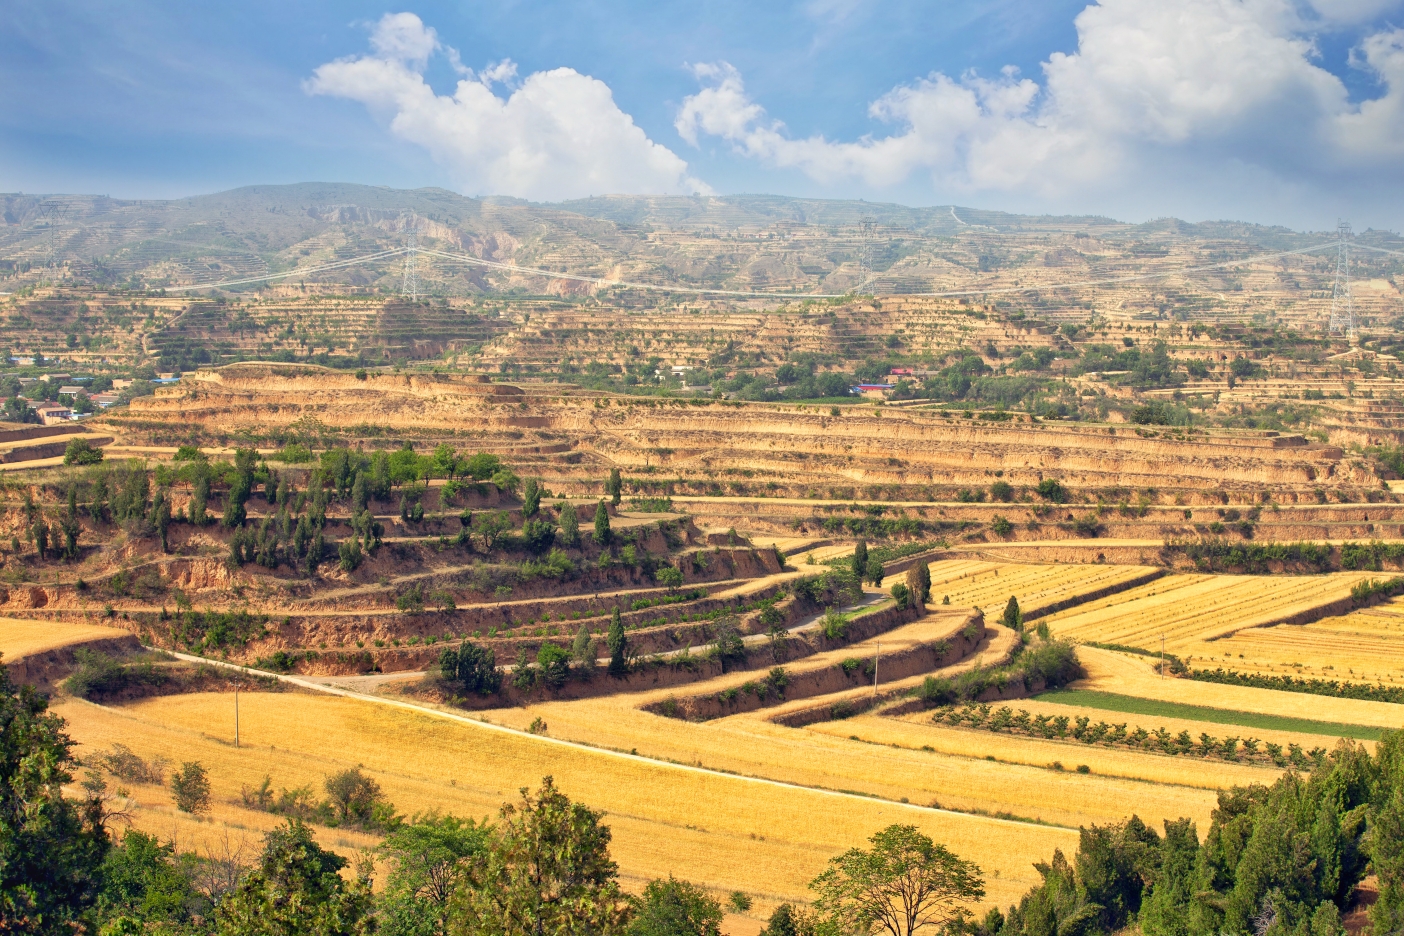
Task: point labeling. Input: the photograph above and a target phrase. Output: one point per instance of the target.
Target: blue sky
(1285, 111)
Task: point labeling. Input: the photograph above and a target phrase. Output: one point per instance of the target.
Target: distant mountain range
(745, 242)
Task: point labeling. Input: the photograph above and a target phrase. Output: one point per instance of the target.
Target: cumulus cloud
(555, 134)
(1232, 81)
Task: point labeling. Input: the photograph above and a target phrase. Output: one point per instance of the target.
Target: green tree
(614, 486)
(875, 572)
(145, 882)
(602, 531)
(547, 870)
(481, 466)
(675, 908)
(618, 646)
(51, 848)
(919, 583)
(355, 797)
(860, 559)
(471, 667)
(81, 452)
(70, 526)
(427, 859)
(1013, 617)
(583, 648)
(161, 518)
(190, 788)
(570, 525)
(904, 884)
(531, 497)
(669, 576)
(296, 890)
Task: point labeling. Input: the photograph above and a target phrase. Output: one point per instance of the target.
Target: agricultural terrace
(1366, 645)
(1193, 613)
(1041, 589)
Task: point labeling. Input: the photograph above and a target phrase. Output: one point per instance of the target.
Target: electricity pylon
(1342, 307)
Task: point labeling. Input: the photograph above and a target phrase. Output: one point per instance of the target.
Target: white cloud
(558, 134)
(1153, 88)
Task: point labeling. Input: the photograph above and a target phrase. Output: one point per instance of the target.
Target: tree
(472, 667)
(70, 526)
(582, 650)
(675, 908)
(547, 870)
(669, 576)
(145, 881)
(875, 571)
(602, 531)
(81, 452)
(296, 890)
(190, 787)
(919, 583)
(617, 645)
(481, 466)
(570, 525)
(614, 486)
(531, 497)
(906, 883)
(860, 559)
(161, 518)
(1013, 617)
(356, 797)
(51, 848)
(426, 858)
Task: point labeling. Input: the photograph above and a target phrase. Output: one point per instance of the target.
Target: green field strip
(1131, 705)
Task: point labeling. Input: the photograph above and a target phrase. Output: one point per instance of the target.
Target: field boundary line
(576, 745)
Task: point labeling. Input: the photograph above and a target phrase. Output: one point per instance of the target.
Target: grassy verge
(1131, 705)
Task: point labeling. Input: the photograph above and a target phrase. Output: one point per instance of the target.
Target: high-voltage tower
(410, 286)
(1342, 308)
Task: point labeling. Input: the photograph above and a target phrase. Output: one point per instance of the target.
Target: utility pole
(876, 657)
(236, 711)
(1162, 656)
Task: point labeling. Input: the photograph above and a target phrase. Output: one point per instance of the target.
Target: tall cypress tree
(860, 559)
(1013, 617)
(618, 644)
(531, 498)
(602, 524)
(614, 486)
(570, 525)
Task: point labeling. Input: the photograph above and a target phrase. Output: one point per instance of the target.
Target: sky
(1272, 111)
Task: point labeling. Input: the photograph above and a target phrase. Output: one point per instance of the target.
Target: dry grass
(20, 638)
(1189, 611)
(988, 585)
(917, 731)
(726, 833)
(1128, 674)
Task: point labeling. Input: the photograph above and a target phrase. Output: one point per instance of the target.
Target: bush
(1050, 490)
(1001, 526)
(81, 452)
(190, 787)
(124, 764)
(356, 799)
(902, 596)
(99, 676)
(1001, 491)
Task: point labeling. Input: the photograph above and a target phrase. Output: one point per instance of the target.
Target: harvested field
(988, 585)
(916, 732)
(1151, 709)
(1190, 611)
(720, 831)
(1362, 646)
(21, 638)
(1132, 675)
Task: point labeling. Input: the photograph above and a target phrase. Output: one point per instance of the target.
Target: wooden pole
(877, 656)
(236, 711)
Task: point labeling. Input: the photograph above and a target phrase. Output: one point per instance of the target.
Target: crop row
(1061, 727)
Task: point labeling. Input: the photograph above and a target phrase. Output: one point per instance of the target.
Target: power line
(410, 285)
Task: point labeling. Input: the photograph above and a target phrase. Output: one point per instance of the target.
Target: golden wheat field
(20, 638)
(1362, 646)
(724, 832)
(916, 731)
(1192, 611)
(970, 583)
(1134, 675)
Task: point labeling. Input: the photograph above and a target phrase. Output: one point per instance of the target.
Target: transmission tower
(410, 285)
(51, 213)
(1342, 307)
(867, 233)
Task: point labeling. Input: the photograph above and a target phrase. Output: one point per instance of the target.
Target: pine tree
(583, 650)
(860, 559)
(618, 644)
(1013, 617)
(601, 524)
(360, 496)
(614, 486)
(570, 525)
(531, 498)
